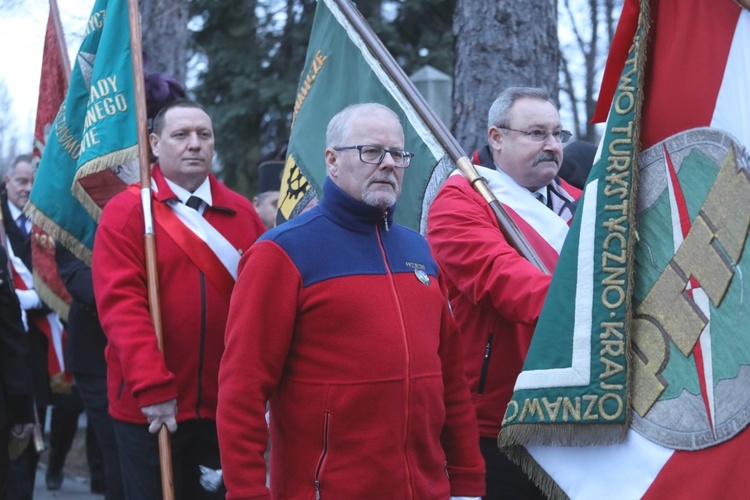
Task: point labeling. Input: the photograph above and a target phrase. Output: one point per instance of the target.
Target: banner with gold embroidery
(91, 150)
(339, 71)
(576, 372)
(681, 352)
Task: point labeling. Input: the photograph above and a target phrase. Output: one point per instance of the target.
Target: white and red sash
(528, 213)
(50, 325)
(204, 245)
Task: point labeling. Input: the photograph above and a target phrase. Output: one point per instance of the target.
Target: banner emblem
(692, 374)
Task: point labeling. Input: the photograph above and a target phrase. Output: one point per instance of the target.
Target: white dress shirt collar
(203, 192)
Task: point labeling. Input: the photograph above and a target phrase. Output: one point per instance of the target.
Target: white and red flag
(671, 374)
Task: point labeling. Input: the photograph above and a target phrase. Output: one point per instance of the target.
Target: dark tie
(540, 197)
(194, 202)
(21, 221)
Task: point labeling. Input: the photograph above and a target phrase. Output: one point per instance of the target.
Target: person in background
(340, 320)
(578, 159)
(85, 360)
(496, 294)
(42, 324)
(269, 182)
(16, 410)
(201, 229)
(63, 426)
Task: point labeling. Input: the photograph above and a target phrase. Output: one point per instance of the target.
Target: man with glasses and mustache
(496, 294)
(340, 320)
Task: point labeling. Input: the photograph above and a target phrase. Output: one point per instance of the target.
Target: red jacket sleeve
(466, 241)
(460, 436)
(121, 293)
(245, 386)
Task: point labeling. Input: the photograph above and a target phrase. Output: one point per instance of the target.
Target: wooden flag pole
(508, 227)
(165, 449)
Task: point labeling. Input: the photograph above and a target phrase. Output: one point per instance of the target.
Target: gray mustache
(389, 180)
(547, 157)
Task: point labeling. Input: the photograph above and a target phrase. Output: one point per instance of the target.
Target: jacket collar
(10, 223)
(220, 194)
(350, 213)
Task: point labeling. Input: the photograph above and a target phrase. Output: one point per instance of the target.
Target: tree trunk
(165, 36)
(499, 44)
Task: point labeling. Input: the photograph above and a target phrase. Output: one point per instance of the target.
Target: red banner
(53, 86)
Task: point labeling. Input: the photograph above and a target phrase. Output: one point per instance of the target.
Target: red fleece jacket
(193, 311)
(344, 326)
(495, 293)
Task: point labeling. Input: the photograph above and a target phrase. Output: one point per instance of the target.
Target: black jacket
(38, 343)
(86, 340)
(15, 376)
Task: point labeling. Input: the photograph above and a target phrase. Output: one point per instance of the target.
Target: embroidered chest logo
(419, 272)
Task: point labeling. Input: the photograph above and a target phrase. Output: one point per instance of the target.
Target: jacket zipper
(318, 469)
(406, 344)
(485, 363)
(201, 350)
(385, 220)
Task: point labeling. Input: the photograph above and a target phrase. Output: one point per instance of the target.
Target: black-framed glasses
(376, 154)
(540, 135)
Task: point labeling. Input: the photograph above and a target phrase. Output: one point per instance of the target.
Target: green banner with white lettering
(575, 378)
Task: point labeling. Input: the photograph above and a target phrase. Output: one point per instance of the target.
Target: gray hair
(338, 128)
(499, 115)
(24, 158)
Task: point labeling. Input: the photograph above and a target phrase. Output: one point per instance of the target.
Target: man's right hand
(29, 299)
(22, 431)
(161, 414)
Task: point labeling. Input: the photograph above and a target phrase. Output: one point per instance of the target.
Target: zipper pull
(385, 219)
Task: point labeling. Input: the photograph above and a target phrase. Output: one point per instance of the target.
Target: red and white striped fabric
(696, 75)
(50, 325)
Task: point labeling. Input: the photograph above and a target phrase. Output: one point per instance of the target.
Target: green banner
(339, 71)
(94, 134)
(574, 389)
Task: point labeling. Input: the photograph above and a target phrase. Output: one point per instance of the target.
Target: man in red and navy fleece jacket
(340, 320)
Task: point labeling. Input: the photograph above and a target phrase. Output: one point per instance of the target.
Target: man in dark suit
(18, 180)
(15, 193)
(15, 379)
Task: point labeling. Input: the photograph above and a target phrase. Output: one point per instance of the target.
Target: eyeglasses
(376, 154)
(540, 135)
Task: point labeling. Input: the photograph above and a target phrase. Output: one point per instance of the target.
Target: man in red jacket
(344, 319)
(495, 293)
(201, 229)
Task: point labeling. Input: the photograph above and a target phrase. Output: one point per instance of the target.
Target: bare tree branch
(569, 89)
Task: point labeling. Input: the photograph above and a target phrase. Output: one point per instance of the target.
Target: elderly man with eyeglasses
(340, 319)
(496, 294)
